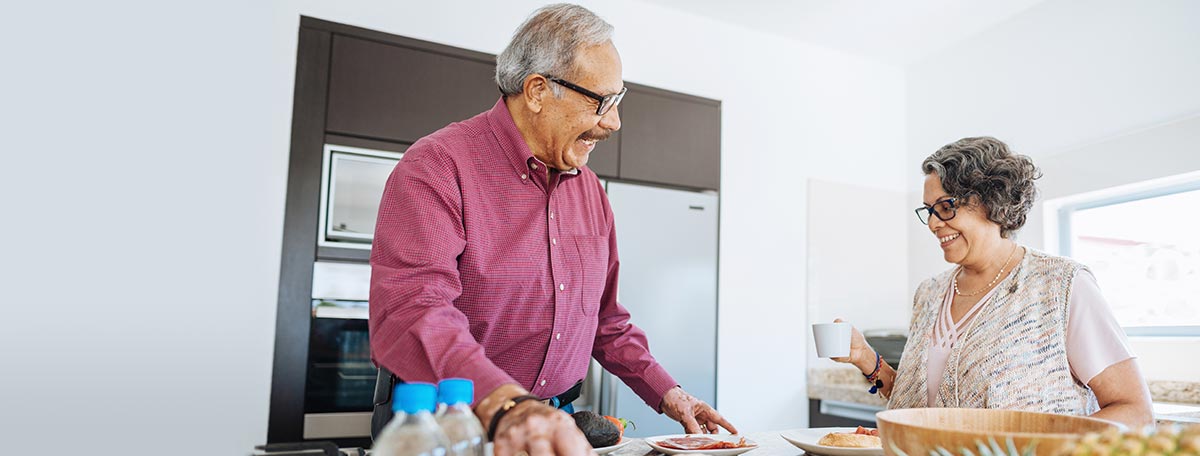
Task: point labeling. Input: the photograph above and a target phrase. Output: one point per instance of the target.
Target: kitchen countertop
(840, 383)
(1175, 392)
(1173, 401)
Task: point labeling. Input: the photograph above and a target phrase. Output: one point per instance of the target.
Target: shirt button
(554, 241)
(534, 165)
(551, 214)
(562, 286)
(558, 336)
(543, 383)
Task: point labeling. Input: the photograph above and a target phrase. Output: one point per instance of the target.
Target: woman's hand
(864, 358)
(861, 354)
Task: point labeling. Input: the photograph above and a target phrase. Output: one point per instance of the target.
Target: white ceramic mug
(833, 339)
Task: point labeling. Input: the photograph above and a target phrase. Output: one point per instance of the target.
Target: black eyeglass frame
(606, 102)
(929, 210)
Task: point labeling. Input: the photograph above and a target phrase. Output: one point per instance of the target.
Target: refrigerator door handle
(608, 406)
(592, 388)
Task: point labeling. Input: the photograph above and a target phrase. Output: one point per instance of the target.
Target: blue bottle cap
(456, 391)
(414, 397)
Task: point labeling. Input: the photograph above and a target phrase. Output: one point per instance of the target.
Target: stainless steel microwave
(352, 181)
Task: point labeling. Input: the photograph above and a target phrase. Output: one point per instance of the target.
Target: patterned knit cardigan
(1013, 354)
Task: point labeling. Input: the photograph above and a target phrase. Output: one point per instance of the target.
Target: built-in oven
(340, 379)
(352, 181)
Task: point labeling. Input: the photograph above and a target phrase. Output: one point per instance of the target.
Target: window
(1143, 245)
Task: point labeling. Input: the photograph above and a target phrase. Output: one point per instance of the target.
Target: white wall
(149, 145)
(857, 257)
(1060, 75)
(145, 159)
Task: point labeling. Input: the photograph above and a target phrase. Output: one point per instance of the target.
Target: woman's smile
(948, 239)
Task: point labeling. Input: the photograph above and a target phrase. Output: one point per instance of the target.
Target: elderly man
(495, 257)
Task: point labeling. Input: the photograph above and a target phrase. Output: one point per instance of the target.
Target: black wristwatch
(504, 408)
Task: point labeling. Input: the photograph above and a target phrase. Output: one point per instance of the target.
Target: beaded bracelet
(873, 377)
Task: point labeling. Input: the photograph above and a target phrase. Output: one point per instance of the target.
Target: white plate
(653, 442)
(806, 439)
(611, 448)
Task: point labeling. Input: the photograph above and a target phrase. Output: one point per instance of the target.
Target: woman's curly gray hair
(983, 170)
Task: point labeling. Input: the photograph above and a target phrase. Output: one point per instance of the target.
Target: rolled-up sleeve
(622, 348)
(415, 330)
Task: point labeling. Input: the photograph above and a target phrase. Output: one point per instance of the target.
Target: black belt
(562, 400)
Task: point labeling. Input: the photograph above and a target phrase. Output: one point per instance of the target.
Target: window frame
(1058, 228)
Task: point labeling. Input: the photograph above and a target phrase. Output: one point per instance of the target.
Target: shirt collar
(509, 136)
(572, 172)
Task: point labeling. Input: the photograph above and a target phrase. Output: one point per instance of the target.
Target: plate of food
(837, 441)
(710, 444)
(606, 434)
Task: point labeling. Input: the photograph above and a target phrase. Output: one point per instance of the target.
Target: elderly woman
(1008, 326)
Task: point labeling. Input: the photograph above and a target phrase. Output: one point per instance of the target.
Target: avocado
(599, 431)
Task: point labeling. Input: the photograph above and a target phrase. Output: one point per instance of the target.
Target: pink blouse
(1094, 339)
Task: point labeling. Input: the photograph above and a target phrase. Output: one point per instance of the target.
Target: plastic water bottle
(456, 418)
(413, 431)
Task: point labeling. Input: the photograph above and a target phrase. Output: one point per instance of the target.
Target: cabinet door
(396, 93)
(670, 138)
(604, 158)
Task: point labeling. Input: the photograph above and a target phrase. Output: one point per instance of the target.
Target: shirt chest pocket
(592, 254)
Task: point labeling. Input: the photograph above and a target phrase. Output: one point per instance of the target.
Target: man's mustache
(590, 136)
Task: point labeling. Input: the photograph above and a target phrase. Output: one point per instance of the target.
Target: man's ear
(536, 89)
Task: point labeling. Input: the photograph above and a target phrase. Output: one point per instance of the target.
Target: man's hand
(538, 429)
(695, 416)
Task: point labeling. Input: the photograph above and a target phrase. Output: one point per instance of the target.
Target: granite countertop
(1175, 392)
(842, 383)
(1173, 401)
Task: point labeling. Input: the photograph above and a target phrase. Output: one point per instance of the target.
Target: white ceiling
(895, 32)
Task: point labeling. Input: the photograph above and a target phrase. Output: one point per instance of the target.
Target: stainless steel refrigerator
(667, 242)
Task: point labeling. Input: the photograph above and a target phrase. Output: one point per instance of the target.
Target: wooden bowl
(916, 432)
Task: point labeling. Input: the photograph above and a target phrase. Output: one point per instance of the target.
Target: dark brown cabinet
(398, 93)
(817, 417)
(670, 138)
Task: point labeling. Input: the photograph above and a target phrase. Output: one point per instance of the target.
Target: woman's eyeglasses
(606, 102)
(944, 210)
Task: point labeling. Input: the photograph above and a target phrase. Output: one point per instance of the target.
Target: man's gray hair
(547, 43)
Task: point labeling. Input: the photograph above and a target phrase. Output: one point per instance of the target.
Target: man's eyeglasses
(607, 102)
(944, 210)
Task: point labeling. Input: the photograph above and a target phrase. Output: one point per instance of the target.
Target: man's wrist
(487, 407)
(663, 401)
(509, 407)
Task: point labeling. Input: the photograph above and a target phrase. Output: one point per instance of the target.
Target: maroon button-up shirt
(489, 266)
